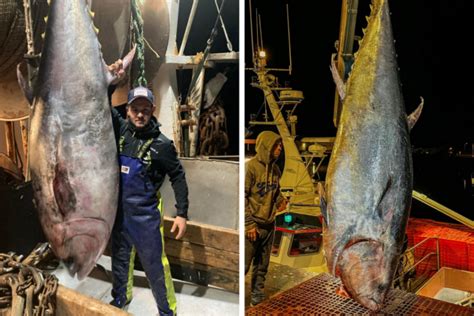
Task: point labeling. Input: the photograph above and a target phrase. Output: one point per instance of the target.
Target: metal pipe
(443, 209)
(30, 47)
(437, 253)
(251, 33)
(289, 38)
(419, 244)
(24, 140)
(350, 27)
(414, 266)
(10, 140)
(256, 29)
(188, 27)
(229, 44)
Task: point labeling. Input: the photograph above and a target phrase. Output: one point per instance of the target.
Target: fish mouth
(83, 242)
(84, 251)
(370, 303)
(361, 269)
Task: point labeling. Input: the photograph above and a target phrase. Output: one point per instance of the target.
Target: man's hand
(180, 223)
(117, 70)
(252, 234)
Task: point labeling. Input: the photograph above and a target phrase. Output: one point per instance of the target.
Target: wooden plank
(72, 303)
(207, 235)
(201, 254)
(204, 275)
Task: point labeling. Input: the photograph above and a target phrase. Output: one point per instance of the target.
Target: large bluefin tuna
(367, 196)
(73, 157)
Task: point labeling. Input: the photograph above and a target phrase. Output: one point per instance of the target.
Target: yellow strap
(170, 295)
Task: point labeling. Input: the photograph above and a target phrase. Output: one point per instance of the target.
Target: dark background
(432, 39)
(204, 20)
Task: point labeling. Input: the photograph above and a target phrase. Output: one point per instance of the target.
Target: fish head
(79, 243)
(363, 271)
(82, 260)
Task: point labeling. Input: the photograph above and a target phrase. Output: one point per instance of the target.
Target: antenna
(261, 33)
(251, 33)
(256, 27)
(290, 67)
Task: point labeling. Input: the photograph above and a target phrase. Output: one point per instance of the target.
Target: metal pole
(256, 30)
(10, 140)
(289, 38)
(30, 52)
(188, 27)
(251, 33)
(437, 253)
(229, 44)
(261, 33)
(24, 141)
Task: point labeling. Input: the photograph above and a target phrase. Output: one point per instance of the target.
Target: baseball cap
(140, 92)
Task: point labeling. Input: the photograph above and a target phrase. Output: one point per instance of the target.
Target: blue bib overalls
(139, 226)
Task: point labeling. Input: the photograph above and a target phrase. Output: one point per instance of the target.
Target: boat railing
(407, 278)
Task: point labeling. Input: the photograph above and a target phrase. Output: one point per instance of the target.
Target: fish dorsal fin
(323, 202)
(415, 115)
(24, 85)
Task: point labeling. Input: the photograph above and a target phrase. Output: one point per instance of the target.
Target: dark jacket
(161, 158)
(262, 189)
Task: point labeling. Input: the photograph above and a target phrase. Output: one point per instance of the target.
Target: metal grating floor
(317, 296)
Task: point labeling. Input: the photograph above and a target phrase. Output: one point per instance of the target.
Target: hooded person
(262, 200)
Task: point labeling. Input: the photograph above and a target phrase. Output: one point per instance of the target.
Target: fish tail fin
(113, 74)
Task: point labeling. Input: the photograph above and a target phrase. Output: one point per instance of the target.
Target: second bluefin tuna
(367, 196)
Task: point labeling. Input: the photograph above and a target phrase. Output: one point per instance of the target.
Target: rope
(137, 37)
(207, 50)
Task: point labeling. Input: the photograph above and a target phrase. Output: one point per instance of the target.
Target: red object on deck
(456, 244)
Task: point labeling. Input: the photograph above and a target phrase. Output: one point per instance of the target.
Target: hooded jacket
(262, 189)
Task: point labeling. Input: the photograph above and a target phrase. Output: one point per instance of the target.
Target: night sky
(431, 43)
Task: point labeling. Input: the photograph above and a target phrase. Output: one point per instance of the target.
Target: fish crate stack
(456, 245)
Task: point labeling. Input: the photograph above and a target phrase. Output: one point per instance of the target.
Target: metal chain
(213, 131)
(25, 288)
(47, 297)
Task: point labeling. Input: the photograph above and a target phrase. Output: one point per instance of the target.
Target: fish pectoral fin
(341, 87)
(322, 202)
(25, 87)
(384, 210)
(415, 115)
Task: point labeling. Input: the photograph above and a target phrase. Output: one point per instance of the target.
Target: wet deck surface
(279, 279)
(317, 296)
(191, 299)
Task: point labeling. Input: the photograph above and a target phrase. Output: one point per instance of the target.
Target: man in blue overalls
(146, 157)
